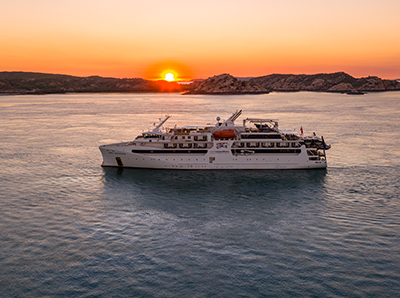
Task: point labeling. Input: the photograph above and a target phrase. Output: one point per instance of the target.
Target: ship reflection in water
(229, 184)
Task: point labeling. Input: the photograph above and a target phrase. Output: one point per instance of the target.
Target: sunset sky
(199, 39)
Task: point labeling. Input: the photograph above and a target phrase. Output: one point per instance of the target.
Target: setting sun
(169, 77)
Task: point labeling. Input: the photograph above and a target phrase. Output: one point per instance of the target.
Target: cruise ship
(255, 144)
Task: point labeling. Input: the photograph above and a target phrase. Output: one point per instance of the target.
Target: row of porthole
(266, 145)
(173, 159)
(190, 166)
(248, 159)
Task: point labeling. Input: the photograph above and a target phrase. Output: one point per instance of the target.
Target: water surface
(71, 228)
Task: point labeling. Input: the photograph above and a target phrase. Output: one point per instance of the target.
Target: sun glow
(170, 77)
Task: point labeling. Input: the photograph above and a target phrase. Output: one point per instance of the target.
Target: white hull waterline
(219, 147)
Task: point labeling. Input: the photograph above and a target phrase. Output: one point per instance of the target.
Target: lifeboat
(224, 134)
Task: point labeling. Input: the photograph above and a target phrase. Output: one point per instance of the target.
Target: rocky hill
(225, 84)
(331, 82)
(42, 83)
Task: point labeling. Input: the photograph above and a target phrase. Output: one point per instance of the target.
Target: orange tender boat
(224, 134)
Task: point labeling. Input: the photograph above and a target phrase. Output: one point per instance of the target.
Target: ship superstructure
(255, 144)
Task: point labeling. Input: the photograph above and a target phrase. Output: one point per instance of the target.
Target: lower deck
(220, 157)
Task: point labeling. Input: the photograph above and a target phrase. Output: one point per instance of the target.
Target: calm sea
(69, 228)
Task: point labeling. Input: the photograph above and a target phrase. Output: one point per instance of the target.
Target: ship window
(200, 138)
(147, 136)
(185, 145)
(261, 136)
(169, 145)
(282, 145)
(197, 145)
(253, 144)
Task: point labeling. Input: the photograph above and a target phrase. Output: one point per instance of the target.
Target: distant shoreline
(185, 93)
(28, 83)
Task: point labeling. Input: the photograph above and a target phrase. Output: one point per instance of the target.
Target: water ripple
(70, 228)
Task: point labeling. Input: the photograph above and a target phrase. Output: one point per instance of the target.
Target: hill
(43, 83)
(331, 82)
(225, 84)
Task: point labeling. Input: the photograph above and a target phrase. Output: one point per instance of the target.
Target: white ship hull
(121, 155)
(223, 146)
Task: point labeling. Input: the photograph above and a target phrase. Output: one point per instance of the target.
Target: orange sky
(198, 39)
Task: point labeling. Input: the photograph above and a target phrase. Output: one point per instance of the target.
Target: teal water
(71, 228)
